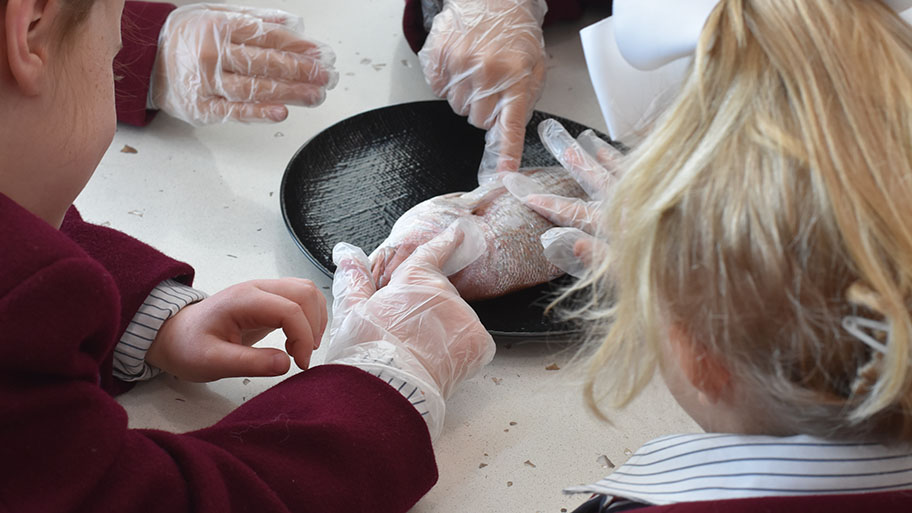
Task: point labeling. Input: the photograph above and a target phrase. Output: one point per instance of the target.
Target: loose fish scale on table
(513, 259)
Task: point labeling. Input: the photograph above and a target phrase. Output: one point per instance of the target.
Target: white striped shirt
(387, 371)
(714, 466)
(165, 300)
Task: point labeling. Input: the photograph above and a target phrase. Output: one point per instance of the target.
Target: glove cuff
(398, 367)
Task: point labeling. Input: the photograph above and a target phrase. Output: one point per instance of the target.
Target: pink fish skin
(513, 259)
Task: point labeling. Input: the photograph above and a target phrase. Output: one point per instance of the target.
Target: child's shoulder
(29, 244)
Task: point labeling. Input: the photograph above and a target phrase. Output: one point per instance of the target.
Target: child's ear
(29, 31)
(704, 369)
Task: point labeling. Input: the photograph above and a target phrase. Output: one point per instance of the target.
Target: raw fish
(513, 259)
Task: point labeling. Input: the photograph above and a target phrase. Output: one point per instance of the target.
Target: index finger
(505, 140)
(289, 66)
(268, 15)
(255, 32)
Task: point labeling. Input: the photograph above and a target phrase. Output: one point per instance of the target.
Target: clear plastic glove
(417, 324)
(592, 163)
(487, 57)
(211, 339)
(219, 62)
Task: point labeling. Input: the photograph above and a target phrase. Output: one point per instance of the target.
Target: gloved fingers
(240, 88)
(276, 16)
(606, 154)
(214, 110)
(254, 32)
(585, 169)
(448, 252)
(521, 186)
(288, 66)
(568, 249)
(352, 281)
(559, 210)
(505, 140)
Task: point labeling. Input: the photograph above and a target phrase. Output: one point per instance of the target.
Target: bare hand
(211, 339)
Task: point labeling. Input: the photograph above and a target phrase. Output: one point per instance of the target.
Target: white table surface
(516, 434)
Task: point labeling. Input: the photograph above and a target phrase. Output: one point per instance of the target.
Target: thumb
(353, 283)
(451, 250)
(224, 360)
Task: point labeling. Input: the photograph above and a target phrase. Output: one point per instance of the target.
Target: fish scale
(513, 259)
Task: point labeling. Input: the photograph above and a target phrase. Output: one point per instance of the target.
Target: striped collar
(713, 466)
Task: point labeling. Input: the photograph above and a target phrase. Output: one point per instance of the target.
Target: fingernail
(332, 80)
(558, 246)
(279, 364)
(520, 185)
(277, 113)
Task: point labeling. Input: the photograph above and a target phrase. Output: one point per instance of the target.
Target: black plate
(352, 181)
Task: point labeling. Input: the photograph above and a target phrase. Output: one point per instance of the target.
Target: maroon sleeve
(136, 268)
(413, 25)
(333, 439)
(558, 10)
(140, 25)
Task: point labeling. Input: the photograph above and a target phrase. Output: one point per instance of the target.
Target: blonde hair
(780, 177)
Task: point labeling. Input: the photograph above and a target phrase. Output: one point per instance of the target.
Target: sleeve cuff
(165, 300)
(382, 359)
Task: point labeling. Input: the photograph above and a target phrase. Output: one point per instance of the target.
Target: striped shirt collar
(713, 466)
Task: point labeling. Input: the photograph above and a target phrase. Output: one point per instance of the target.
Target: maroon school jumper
(558, 10)
(330, 439)
(139, 28)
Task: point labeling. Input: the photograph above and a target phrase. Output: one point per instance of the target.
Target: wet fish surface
(513, 260)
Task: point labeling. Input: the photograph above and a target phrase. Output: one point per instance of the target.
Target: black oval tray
(352, 181)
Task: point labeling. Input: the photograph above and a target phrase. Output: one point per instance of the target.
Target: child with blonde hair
(761, 256)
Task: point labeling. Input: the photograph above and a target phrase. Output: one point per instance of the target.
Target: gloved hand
(221, 62)
(487, 57)
(211, 339)
(592, 163)
(417, 326)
